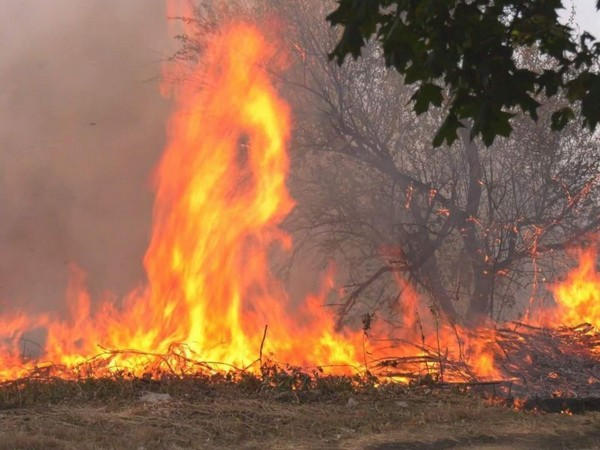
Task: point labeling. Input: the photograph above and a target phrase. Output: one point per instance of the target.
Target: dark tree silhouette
(464, 51)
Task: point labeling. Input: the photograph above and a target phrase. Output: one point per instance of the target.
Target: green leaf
(447, 131)
(590, 104)
(550, 81)
(530, 105)
(472, 49)
(561, 117)
(492, 123)
(360, 19)
(427, 94)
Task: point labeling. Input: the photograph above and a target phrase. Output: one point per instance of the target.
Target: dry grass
(251, 413)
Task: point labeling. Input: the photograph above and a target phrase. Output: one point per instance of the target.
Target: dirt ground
(427, 419)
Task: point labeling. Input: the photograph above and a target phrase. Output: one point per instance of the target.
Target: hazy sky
(588, 18)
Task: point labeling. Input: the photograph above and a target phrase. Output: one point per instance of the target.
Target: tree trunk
(479, 306)
(483, 278)
(432, 278)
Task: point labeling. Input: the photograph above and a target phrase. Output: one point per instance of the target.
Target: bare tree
(466, 222)
(472, 226)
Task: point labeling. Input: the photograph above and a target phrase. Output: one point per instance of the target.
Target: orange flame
(220, 195)
(578, 295)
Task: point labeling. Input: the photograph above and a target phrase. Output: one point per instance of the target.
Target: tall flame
(220, 195)
(221, 192)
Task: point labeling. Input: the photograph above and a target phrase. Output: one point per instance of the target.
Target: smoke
(81, 126)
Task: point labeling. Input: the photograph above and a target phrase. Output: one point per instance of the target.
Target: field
(218, 413)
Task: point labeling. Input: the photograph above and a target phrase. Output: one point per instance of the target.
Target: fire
(221, 192)
(210, 301)
(578, 296)
(220, 195)
(427, 343)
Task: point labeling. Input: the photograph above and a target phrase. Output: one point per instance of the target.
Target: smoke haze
(81, 126)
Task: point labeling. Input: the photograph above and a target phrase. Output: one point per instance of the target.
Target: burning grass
(288, 384)
(553, 369)
(545, 367)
